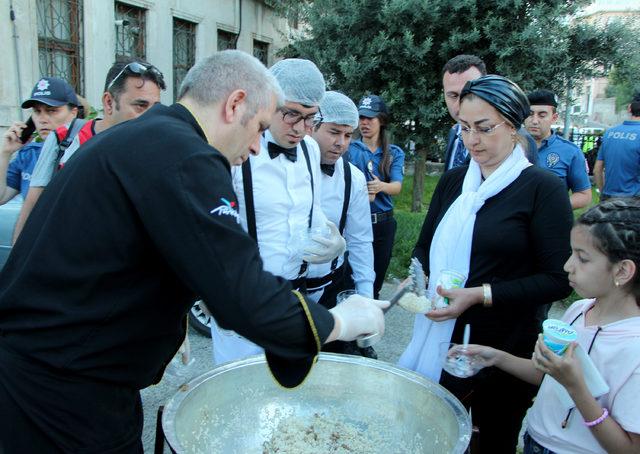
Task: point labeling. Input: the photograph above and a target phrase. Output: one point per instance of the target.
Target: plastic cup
(448, 280)
(302, 237)
(457, 362)
(558, 335)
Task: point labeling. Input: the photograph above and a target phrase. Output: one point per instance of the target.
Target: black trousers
(45, 411)
(383, 235)
(498, 403)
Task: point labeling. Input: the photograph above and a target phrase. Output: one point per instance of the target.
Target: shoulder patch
(227, 209)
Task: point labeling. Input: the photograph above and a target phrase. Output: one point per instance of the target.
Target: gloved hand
(357, 316)
(326, 249)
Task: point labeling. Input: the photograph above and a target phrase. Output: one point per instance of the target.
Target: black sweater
(520, 244)
(139, 223)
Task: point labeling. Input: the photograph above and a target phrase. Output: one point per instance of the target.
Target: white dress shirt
(357, 231)
(282, 199)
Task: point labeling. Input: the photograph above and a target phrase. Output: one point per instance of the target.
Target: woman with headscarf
(503, 224)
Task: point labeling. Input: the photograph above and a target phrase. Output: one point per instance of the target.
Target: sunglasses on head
(140, 70)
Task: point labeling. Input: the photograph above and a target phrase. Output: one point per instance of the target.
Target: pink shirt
(616, 355)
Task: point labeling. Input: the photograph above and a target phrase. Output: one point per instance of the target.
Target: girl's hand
(487, 356)
(566, 369)
(460, 299)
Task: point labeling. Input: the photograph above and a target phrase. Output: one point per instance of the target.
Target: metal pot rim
(173, 405)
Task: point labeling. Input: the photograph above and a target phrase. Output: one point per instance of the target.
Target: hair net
(301, 81)
(501, 93)
(339, 109)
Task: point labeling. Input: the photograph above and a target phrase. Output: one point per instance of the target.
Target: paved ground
(398, 332)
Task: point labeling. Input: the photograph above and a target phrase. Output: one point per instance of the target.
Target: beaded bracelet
(595, 422)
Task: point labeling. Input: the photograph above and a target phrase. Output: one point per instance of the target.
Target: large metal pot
(236, 407)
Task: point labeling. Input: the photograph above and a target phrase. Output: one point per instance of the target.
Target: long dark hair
(615, 226)
(383, 142)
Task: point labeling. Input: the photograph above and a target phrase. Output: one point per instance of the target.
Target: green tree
(396, 48)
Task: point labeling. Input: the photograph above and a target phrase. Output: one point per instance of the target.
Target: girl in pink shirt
(604, 267)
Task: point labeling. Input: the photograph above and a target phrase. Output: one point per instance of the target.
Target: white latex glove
(326, 249)
(359, 316)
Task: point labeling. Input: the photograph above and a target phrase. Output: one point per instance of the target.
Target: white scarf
(451, 250)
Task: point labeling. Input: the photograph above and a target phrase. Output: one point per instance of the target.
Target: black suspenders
(345, 204)
(247, 184)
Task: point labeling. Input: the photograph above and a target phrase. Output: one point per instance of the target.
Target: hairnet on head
(300, 80)
(339, 109)
(501, 93)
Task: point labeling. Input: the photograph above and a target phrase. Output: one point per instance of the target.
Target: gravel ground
(397, 336)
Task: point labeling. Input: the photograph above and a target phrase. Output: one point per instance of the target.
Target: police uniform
(94, 295)
(350, 211)
(620, 152)
(564, 159)
(279, 199)
(384, 224)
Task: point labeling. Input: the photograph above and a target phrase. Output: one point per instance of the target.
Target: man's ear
(234, 106)
(554, 117)
(108, 103)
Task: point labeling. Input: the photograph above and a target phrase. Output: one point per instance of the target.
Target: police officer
(382, 164)
(345, 202)
(94, 295)
(555, 153)
(279, 193)
(617, 168)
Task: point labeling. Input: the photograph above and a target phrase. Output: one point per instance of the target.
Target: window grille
(184, 51)
(226, 40)
(60, 40)
(261, 51)
(130, 31)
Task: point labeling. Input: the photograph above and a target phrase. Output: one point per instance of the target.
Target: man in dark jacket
(94, 296)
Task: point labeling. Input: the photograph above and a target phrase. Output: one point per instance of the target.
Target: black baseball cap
(543, 98)
(372, 105)
(52, 91)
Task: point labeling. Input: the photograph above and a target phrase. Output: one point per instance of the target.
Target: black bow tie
(275, 150)
(328, 169)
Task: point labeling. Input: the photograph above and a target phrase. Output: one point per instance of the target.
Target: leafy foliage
(396, 48)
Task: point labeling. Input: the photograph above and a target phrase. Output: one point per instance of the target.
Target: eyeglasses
(292, 117)
(482, 131)
(141, 70)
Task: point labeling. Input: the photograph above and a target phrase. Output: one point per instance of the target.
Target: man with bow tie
(279, 194)
(345, 202)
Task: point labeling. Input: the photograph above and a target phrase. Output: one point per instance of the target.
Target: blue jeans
(533, 447)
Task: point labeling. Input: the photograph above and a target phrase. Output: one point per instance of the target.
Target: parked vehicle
(8, 216)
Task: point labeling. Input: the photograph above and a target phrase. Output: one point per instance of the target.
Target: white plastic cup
(449, 279)
(557, 335)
